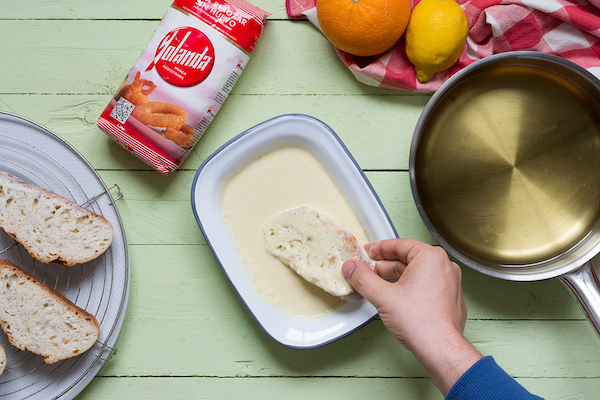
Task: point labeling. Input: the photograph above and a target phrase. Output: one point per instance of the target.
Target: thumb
(364, 280)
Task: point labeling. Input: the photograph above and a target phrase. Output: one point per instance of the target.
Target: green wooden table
(186, 335)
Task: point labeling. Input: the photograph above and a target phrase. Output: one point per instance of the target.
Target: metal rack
(101, 287)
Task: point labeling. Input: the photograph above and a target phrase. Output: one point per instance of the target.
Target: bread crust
(38, 318)
(2, 359)
(49, 226)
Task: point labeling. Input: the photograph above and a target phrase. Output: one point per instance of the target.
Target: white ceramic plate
(315, 136)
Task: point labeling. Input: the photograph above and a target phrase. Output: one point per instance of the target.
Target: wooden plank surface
(186, 335)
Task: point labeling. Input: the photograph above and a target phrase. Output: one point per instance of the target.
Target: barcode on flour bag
(182, 78)
(122, 110)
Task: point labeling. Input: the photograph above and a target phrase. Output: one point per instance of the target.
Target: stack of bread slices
(34, 316)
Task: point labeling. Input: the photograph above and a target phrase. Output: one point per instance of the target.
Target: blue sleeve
(485, 380)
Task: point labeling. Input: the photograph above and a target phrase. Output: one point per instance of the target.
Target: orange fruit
(363, 27)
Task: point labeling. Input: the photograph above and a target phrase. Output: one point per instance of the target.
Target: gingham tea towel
(567, 28)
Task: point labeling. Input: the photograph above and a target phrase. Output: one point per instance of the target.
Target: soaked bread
(316, 246)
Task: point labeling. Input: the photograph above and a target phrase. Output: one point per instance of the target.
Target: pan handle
(585, 287)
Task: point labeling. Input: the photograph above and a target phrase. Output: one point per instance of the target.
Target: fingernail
(369, 246)
(347, 268)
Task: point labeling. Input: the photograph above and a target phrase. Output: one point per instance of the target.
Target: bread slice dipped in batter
(316, 246)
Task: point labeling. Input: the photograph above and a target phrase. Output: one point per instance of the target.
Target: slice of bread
(316, 246)
(2, 359)
(37, 318)
(49, 226)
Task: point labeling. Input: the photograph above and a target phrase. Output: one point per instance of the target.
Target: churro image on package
(181, 79)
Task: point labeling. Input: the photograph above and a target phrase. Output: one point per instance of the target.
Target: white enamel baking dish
(314, 135)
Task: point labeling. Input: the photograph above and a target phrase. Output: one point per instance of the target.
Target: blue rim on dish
(296, 130)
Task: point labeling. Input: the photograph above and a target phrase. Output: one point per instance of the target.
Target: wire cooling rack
(101, 287)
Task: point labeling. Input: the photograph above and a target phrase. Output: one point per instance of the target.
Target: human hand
(418, 294)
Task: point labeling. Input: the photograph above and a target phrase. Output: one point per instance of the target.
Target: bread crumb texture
(49, 226)
(314, 245)
(37, 318)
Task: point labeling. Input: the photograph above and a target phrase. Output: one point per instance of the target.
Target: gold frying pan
(505, 170)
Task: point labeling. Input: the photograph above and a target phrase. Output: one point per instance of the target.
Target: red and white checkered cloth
(567, 28)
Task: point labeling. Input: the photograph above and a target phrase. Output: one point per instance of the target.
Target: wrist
(447, 358)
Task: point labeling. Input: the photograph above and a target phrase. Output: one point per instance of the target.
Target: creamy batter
(285, 178)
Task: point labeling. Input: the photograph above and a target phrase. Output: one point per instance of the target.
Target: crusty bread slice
(49, 226)
(37, 318)
(2, 359)
(316, 246)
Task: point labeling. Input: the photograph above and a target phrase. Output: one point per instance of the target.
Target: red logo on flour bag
(185, 57)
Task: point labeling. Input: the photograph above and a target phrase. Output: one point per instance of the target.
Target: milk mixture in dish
(278, 181)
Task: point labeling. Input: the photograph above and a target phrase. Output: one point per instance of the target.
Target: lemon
(435, 36)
